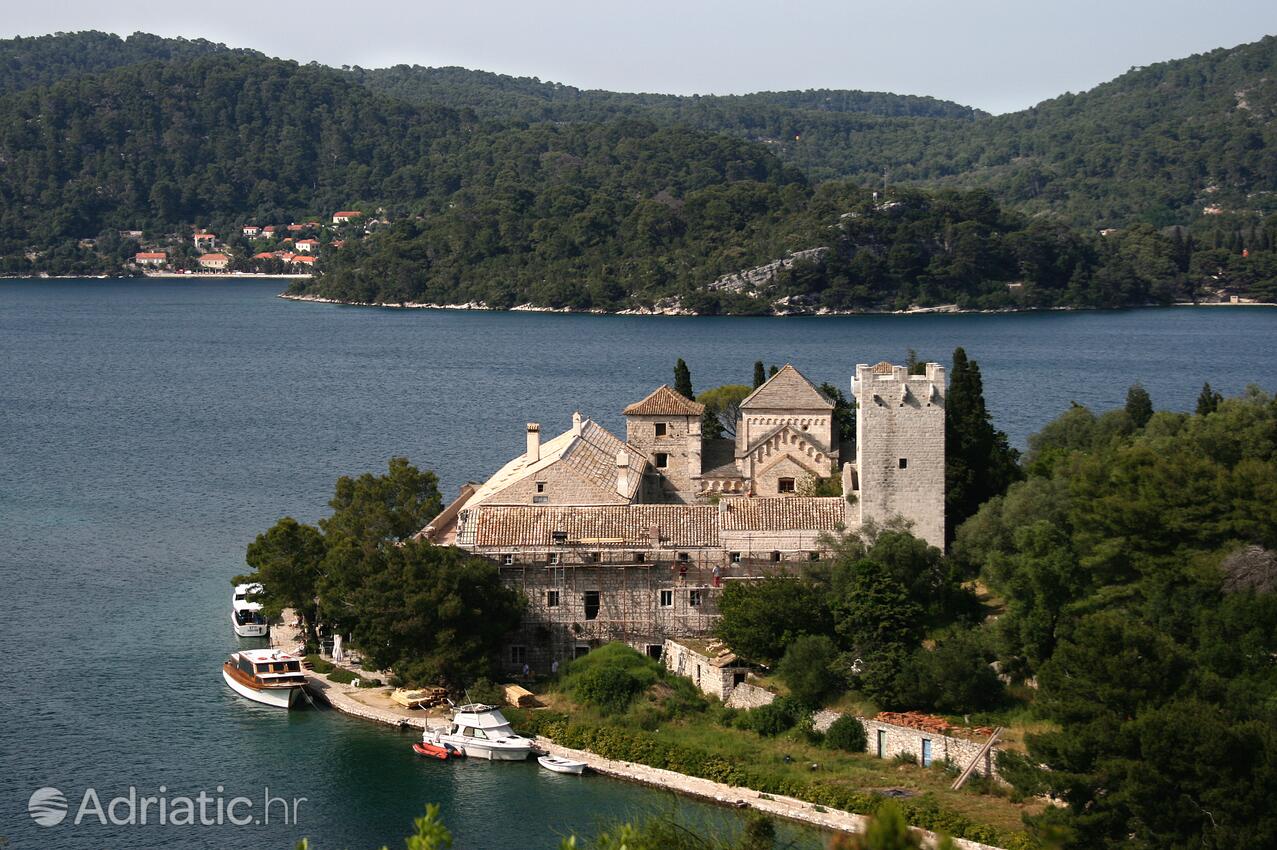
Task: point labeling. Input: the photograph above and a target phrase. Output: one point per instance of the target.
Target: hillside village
(292, 249)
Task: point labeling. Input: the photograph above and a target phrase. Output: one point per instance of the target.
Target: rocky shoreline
(661, 308)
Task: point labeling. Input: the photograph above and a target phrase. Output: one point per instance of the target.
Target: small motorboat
(246, 617)
(443, 752)
(484, 733)
(558, 764)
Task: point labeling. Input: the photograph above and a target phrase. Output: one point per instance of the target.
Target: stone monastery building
(633, 539)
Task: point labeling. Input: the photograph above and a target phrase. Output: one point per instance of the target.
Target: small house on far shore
(214, 262)
(204, 239)
(343, 216)
(150, 258)
(250, 230)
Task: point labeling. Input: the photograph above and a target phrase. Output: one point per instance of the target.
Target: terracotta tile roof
(150, 255)
(664, 401)
(788, 389)
(347, 213)
(593, 455)
(214, 258)
(265, 255)
(685, 526)
(785, 513)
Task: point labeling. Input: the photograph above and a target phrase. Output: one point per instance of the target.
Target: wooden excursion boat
(267, 676)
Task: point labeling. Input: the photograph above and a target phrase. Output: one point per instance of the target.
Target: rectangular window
(540, 486)
(594, 557)
(580, 650)
(540, 500)
(813, 556)
(667, 599)
(775, 556)
(662, 460)
(904, 463)
(507, 560)
(640, 557)
(660, 429)
(785, 485)
(694, 598)
(554, 557)
(684, 557)
(734, 557)
(518, 654)
(591, 600)
(654, 650)
(552, 599)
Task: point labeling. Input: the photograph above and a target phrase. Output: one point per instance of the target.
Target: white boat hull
(249, 629)
(477, 750)
(561, 765)
(276, 697)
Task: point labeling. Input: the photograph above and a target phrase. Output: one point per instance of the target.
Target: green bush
(486, 691)
(772, 719)
(807, 669)
(847, 733)
(609, 689)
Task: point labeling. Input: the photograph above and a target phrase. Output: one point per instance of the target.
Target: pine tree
(1208, 401)
(760, 374)
(1138, 405)
(683, 380)
(979, 460)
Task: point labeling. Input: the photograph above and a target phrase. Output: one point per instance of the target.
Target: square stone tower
(666, 427)
(900, 446)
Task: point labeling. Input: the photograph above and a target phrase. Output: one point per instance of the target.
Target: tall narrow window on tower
(662, 460)
(904, 463)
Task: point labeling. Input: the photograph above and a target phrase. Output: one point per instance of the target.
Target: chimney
(623, 473)
(534, 442)
(576, 423)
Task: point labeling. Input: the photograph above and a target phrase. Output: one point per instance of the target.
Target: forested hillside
(46, 59)
(1154, 145)
(532, 193)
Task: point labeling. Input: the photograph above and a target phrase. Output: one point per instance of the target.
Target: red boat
(442, 752)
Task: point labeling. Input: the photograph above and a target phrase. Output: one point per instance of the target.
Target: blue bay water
(149, 429)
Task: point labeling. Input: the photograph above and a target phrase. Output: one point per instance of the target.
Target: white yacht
(483, 732)
(246, 617)
(268, 676)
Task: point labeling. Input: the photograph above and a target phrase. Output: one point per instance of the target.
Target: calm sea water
(148, 430)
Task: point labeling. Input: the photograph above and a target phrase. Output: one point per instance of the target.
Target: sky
(997, 56)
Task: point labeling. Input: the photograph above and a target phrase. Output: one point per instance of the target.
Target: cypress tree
(760, 374)
(683, 380)
(979, 460)
(1208, 401)
(1138, 405)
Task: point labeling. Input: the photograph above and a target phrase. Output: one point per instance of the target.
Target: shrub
(807, 669)
(486, 691)
(847, 733)
(771, 719)
(609, 689)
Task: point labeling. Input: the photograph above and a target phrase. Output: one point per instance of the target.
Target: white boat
(484, 733)
(246, 617)
(268, 676)
(561, 765)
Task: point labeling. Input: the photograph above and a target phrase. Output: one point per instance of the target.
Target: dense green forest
(1156, 144)
(509, 191)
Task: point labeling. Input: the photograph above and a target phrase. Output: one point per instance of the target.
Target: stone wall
(905, 739)
(746, 696)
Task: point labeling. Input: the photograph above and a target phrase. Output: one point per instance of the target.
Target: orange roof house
(214, 261)
(343, 216)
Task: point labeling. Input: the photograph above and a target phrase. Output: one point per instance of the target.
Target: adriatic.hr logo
(48, 806)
